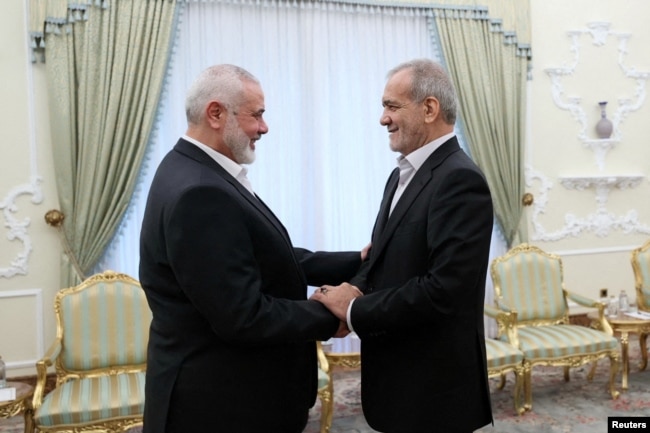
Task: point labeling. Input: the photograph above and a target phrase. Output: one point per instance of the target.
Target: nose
(385, 120)
(263, 128)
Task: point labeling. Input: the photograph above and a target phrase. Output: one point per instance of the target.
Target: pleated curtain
(105, 64)
(490, 69)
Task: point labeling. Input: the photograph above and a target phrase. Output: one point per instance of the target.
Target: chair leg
(613, 371)
(528, 387)
(327, 406)
(517, 397)
(566, 374)
(592, 371)
(29, 421)
(502, 381)
(644, 351)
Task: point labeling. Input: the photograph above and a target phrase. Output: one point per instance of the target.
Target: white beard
(238, 142)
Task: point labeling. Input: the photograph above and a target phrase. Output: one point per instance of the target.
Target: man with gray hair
(232, 341)
(417, 302)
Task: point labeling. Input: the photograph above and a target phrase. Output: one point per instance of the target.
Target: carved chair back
(103, 324)
(529, 281)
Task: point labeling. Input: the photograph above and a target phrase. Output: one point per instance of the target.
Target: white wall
(29, 248)
(555, 150)
(598, 45)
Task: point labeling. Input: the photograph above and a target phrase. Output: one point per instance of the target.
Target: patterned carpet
(578, 406)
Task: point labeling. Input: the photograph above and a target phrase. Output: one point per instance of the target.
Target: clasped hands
(337, 299)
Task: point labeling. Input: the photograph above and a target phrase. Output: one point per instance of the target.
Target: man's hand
(337, 298)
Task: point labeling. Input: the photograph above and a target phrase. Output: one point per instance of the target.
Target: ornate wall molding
(17, 229)
(601, 222)
(600, 34)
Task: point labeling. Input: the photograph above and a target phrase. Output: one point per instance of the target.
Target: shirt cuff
(347, 316)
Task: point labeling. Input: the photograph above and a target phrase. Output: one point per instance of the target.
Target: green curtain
(105, 64)
(489, 69)
(513, 15)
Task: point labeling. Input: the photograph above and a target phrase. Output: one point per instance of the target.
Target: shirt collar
(234, 169)
(418, 156)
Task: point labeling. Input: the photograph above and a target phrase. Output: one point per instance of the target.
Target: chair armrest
(603, 324)
(493, 312)
(506, 322)
(582, 300)
(502, 305)
(41, 371)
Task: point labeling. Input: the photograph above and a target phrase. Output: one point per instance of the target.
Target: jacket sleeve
(239, 272)
(332, 268)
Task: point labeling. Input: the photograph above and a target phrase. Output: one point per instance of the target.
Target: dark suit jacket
(231, 346)
(421, 321)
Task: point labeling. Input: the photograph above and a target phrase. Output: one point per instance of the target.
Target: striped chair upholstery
(529, 282)
(99, 357)
(503, 358)
(641, 268)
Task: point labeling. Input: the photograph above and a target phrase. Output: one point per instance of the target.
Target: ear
(215, 114)
(431, 109)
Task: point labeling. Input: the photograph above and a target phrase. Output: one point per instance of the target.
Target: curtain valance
(508, 16)
(55, 16)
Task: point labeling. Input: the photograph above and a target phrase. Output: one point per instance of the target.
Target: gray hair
(223, 83)
(430, 79)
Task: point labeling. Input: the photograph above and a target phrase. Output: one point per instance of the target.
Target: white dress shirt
(235, 170)
(412, 162)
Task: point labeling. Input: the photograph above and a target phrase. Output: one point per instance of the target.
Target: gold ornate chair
(641, 267)
(99, 356)
(503, 358)
(325, 390)
(529, 282)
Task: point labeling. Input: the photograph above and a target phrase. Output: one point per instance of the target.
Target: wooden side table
(625, 325)
(22, 404)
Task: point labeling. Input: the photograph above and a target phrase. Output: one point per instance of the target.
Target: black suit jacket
(421, 319)
(231, 346)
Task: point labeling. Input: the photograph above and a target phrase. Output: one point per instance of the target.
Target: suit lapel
(384, 209)
(421, 179)
(199, 155)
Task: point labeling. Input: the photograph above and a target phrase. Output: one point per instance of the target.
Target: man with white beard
(232, 341)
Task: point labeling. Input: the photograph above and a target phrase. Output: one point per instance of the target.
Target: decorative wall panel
(16, 326)
(17, 229)
(603, 221)
(600, 34)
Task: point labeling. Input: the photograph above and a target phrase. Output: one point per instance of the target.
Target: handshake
(337, 299)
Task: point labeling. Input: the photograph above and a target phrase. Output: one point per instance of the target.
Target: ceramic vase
(604, 126)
